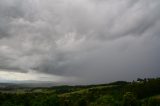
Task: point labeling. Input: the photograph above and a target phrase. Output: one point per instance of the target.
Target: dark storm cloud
(93, 40)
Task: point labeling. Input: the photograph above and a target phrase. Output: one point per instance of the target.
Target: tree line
(136, 93)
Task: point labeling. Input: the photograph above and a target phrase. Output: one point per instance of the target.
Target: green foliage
(120, 93)
(51, 101)
(81, 102)
(106, 100)
(129, 99)
(152, 102)
(144, 88)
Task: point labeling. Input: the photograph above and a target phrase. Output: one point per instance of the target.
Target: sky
(79, 41)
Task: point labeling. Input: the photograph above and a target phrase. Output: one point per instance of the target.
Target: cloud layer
(94, 41)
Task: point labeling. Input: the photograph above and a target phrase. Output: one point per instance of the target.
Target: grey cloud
(93, 40)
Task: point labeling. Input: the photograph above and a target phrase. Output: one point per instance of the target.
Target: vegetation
(143, 92)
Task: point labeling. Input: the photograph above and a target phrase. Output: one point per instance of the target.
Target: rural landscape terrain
(79, 52)
(143, 92)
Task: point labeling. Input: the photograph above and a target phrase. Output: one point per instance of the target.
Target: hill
(143, 92)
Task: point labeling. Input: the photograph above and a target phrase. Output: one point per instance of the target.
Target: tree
(153, 101)
(51, 101)
(129, 99)
(106, 100)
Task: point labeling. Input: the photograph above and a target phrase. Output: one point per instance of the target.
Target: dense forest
(143, 92)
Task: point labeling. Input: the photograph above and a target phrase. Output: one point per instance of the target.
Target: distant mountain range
(27, 84)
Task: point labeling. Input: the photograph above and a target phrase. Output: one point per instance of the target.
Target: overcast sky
(79, 41)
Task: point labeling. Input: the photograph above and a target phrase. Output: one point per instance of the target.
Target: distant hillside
(143, 92)
(27, 84)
